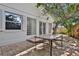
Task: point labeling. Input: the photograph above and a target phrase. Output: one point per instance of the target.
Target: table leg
(61, 42)
(50, 43)
(43, 44)
(35, 43)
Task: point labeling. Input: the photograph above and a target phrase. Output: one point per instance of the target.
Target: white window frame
(42, 28)
(4, 22)
(50, 28)
(35, 28)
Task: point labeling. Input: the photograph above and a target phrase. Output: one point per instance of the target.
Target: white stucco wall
(13, 36)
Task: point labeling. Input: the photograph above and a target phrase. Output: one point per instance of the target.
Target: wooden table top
(51, 37)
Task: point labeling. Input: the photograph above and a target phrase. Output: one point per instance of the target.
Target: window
(31, 26)
(50, 27)
(13, 21)
(42, 28)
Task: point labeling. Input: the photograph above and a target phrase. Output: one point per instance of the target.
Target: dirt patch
(70, 48)
(13, 49)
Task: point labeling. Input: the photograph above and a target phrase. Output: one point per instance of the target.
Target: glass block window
(31, 26)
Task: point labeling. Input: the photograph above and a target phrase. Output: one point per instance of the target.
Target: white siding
(0, 20)
(26, 10)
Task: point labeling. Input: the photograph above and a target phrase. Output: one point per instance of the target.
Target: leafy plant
(64, 13)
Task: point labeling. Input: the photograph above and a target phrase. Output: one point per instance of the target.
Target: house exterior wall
(26, 10)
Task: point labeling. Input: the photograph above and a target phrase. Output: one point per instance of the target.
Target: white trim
(3, 21)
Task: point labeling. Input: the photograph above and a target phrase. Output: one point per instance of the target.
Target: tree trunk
(55, 28)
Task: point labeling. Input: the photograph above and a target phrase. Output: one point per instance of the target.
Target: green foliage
(64, 13)
(58, 10)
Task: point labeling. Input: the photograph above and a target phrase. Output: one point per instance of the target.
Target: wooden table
(51, 38)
